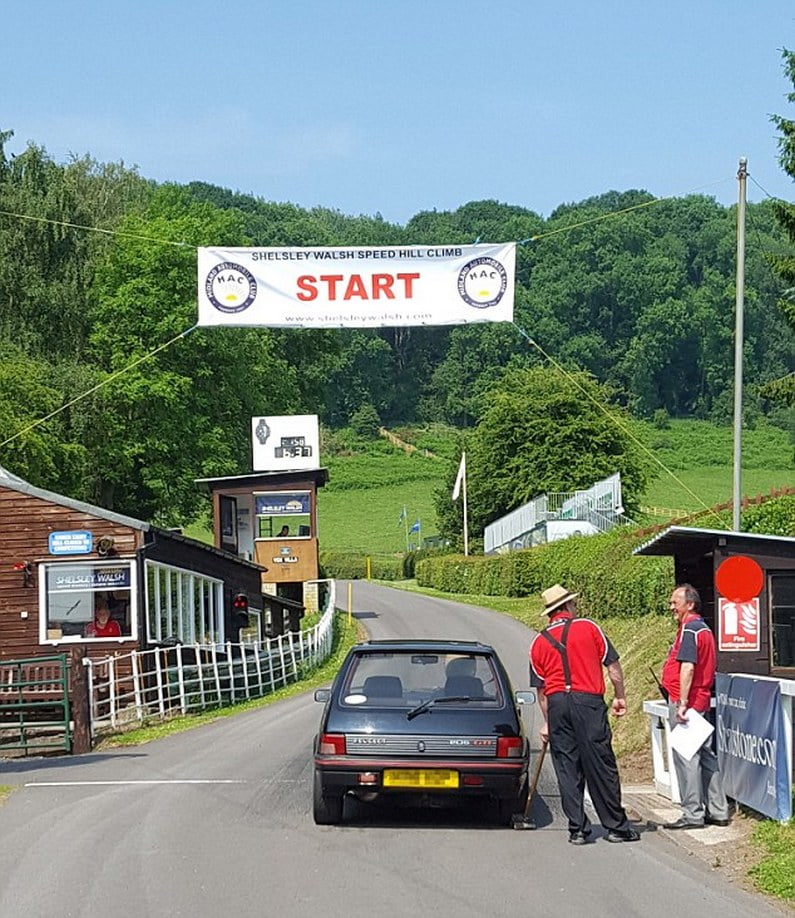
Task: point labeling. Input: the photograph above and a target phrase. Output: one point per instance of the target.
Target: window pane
(89, 600)
(782, 589)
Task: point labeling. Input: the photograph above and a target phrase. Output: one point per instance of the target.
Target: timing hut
(271, 518)
(62, 557)
(747, 586)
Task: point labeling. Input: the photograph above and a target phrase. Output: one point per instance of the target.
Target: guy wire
(615, 420)
(99, 385)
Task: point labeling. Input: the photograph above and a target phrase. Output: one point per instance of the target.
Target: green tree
(783, 389)
(184, 412)
(541, 431)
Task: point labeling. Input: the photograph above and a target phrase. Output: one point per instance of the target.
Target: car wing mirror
(525, 697)
(322, 694)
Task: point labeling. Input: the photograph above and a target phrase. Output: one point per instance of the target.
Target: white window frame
(175, 593)
(44, 617)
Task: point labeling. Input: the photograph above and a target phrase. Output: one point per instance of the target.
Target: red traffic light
(240, 602)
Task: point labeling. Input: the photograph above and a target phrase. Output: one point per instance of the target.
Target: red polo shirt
(111, 628)
(588, 649)
(695, 644)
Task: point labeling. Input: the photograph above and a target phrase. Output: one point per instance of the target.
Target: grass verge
(346, 634)
(775, 874)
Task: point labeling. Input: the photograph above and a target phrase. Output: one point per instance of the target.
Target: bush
(350, 565)
(602, 569)
(365, 422)
(774, 517)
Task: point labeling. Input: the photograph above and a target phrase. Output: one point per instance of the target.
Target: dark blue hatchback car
(420, 718)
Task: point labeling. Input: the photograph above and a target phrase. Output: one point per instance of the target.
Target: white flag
(462, 470)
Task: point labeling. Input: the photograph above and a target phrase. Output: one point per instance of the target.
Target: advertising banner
(282, 503)
(751, 744)
(285, 443)
(356, 287)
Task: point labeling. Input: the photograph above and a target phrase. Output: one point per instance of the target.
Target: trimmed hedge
(601, 568)
(352, 565)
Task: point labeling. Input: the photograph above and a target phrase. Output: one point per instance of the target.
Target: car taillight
(509, 747)
(331, 744)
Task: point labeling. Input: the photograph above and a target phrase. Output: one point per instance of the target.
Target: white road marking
(114, 783)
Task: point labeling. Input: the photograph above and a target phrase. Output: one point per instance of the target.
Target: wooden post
(81, 737)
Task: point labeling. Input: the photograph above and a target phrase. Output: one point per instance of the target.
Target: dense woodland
(98, 274)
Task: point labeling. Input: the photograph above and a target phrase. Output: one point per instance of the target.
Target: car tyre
(326, 808)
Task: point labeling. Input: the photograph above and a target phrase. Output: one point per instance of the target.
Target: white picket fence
(128, 689)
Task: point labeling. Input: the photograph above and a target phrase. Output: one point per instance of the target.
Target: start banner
(356, 287)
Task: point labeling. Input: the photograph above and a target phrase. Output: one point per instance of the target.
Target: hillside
(371, 481)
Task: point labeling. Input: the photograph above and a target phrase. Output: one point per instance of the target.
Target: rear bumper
(503, 778)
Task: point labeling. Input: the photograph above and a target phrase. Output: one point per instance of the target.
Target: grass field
(370, 483)
(713, 485)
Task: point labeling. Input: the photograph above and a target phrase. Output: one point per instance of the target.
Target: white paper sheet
(688, 738)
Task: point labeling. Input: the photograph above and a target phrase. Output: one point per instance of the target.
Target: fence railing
(127, 689)
(34, 704)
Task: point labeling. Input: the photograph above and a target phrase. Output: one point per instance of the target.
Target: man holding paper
(688, 676)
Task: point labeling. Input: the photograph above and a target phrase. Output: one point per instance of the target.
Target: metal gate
(34, 704)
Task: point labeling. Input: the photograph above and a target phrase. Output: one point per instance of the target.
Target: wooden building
(271, 518)
(62, 561)
(755, 633)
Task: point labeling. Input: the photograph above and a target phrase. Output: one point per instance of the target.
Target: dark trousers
(582, 753)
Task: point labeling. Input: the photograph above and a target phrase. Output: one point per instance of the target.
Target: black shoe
(579, 838)
(683, 823)
(623, 835)
(716, 822)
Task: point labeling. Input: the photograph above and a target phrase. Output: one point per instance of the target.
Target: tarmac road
(217, 821)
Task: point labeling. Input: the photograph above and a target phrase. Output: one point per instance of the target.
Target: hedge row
(351, 565)
(602, 568)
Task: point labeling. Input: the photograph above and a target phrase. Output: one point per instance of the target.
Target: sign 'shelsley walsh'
(357, 287)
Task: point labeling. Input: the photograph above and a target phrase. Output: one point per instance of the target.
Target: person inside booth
(103, 626)
(284, 532)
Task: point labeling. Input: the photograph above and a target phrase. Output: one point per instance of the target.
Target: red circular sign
(739, 578)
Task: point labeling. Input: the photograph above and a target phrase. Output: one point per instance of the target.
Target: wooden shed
(755, 634)
(62, 559)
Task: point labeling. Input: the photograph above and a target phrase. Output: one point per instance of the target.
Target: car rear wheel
(326, 808)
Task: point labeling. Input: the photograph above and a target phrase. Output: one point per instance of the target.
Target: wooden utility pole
(81, 736)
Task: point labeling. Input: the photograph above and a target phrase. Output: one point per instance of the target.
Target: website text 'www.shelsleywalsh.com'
(342, 317)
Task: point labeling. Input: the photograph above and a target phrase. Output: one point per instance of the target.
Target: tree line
(98, 273)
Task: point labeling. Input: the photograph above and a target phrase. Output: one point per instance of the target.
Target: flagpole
(406, 526)
(466, 534)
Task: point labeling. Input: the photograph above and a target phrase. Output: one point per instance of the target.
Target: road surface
(217, 821)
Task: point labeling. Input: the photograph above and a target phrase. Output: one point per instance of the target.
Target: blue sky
(394, 108)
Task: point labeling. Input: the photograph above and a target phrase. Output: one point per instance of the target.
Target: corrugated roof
(675, 537)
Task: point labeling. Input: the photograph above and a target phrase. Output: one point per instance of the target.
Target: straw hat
(555, 597)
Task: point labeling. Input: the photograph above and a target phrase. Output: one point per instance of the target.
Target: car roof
(437, 646)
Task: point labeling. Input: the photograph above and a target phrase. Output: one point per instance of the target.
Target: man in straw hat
(566, 661)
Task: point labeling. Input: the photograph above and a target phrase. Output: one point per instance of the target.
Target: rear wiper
(427, 705)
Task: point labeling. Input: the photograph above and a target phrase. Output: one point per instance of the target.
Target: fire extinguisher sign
(739, 624)
(738, 582)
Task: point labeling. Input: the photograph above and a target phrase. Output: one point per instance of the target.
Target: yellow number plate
(432, 778)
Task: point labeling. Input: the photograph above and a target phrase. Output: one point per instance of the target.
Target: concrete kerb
(645, 806)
